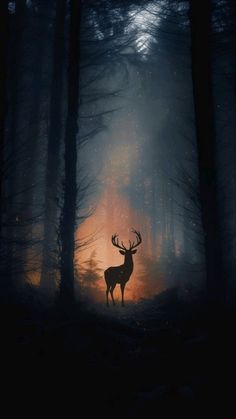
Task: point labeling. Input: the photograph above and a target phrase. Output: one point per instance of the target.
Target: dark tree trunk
(232, 253)
(164, 241)
(68, 216)
(201, 55)
(154, 214)
(53, 152)
(171, 222)
(39, 32)
(206, 144)
(16, 38)
(186, 232)
(3, 95)
(3, 113)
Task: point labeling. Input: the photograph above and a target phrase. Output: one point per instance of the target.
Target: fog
(140, 162)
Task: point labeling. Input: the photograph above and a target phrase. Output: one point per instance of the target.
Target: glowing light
(143, 20)
(115, 215)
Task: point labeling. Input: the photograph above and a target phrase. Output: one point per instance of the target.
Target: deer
(121, 274)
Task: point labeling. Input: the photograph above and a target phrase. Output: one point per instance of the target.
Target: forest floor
(152, 358)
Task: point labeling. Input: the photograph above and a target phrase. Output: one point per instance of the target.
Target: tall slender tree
(68, 216)
(53, 150)
(3, 92)
(200, 18)
(39, 30)
(18, 23)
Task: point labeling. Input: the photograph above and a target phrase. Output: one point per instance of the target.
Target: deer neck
(128, 263)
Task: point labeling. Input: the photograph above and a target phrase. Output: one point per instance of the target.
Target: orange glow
(114, 215)
(33, 278)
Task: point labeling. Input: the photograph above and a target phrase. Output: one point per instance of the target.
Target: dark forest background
(71, 73)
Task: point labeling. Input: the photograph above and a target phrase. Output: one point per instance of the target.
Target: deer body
(121, 274)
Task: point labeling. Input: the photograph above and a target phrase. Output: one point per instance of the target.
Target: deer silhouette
(121, 274)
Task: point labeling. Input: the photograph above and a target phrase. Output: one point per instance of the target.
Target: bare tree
(68, 216)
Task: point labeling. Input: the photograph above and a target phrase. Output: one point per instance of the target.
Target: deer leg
(122, 287)
(107, 294)
(111, 291)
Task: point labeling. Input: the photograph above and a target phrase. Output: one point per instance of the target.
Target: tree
(34, 61)
(200, 18)
(53, 150)
(90, 272)
(3, 111)
(17, 23)
(68, 216)
(3, 93)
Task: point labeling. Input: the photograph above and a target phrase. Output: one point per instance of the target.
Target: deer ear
(134, 251)
(121, 251)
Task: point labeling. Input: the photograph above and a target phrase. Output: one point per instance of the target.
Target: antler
(138, 238)
(115, 242)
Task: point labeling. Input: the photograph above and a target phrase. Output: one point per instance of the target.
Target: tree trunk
(68, 216)
(53, 152)
(200, 17)
(16, 36)
(3, 113)
(3, 95)
(39, 32)
(154, 213)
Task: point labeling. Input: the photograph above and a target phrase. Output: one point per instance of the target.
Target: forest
(118, 173)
